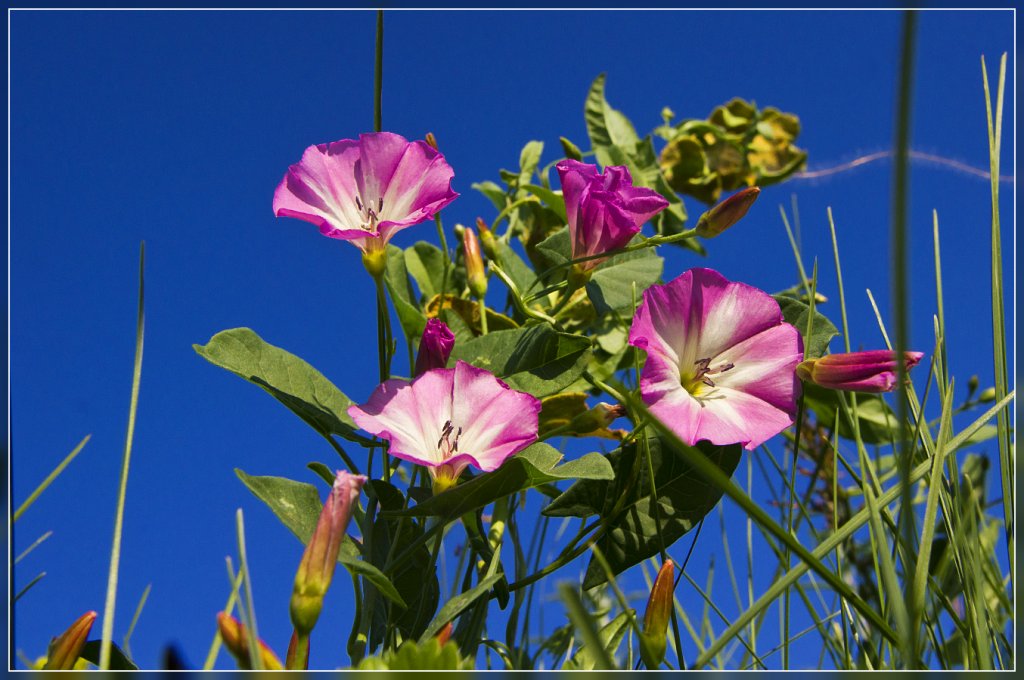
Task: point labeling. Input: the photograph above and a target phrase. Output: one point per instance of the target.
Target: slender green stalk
(384, 348)
(939, 306)
(35, 544)
(1006, 450)
(236, 582)
(583, 622)
(38, 577)
(115, 550)
(483, 316)
(378, 72)
(901, 293)
(125, 644)
(49, 479)
(250, 608)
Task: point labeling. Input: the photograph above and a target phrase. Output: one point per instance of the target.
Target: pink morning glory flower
(720, 359)
(449, 418)
(604, 211)
(873, 371)
(367, 190)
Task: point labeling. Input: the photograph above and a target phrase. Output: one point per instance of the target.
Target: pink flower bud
(873, 371)
(435, 347)
(321, 556)
(727, 213)
(65, 649)
(653, 638)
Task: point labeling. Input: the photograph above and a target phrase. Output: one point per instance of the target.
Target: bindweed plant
(675, 379)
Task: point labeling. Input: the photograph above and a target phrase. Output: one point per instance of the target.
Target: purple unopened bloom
(604, 211)
(316, 570)
(720, 359)
(435, 347)
(449, 418)
(874, 371)
(365, 191)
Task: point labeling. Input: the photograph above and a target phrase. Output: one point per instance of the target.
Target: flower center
(448, 445)
(369, 215)
(699, 381)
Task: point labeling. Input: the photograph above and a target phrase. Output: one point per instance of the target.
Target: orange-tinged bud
(487, 240)
(431, 140)
(727, 213)
(597, 418)
(654, 637)
(66, 648)
(236, 640)
(475, 274)
(316, 570)
(444, 634)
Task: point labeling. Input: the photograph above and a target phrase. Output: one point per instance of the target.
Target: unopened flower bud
(436, 345)
(431, 140)
(727, 213)
(654, 636)
(972, 385)
(874, 371)
(597, 418)
(487, 240)
(444, 634)
(236, 640)
(988, 394)
(321, 556)
(571, 150)
(475, 274)
(66, 648)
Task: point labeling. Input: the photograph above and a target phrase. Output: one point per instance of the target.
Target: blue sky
(175, 127)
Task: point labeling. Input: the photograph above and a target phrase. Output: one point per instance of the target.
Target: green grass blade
(255, 659)
(35, 544)
(38, 577)
(842, 534)
(115, 550)
(1006, 453)
(125, 644)
(49, 479)
(236, 583)
(584, 624)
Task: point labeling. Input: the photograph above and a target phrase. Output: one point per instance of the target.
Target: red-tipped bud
(444, 634)
(67, 647)
(874, 371)
(474, 264)
(654, 637)
(321, 556)
(236, 639)
(487, 240)
(597, 418)
(436, 345)
(727, 213)
(431, 140)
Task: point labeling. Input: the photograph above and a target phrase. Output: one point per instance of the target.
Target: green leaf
(458, 604)
(877, 422)
(513, 265)
(414, 580)
(555, 249)
(610, 635)
(609, 130)
(296, 504)
(396, 278)
(611, 286)
(796, 313)
(492, 191)
(425, 263)
(531, 467)
(552, 199)
(529, 159)
(119, 661)
(535, 359)
(285, 376)
(358, 567)
(683, 499)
